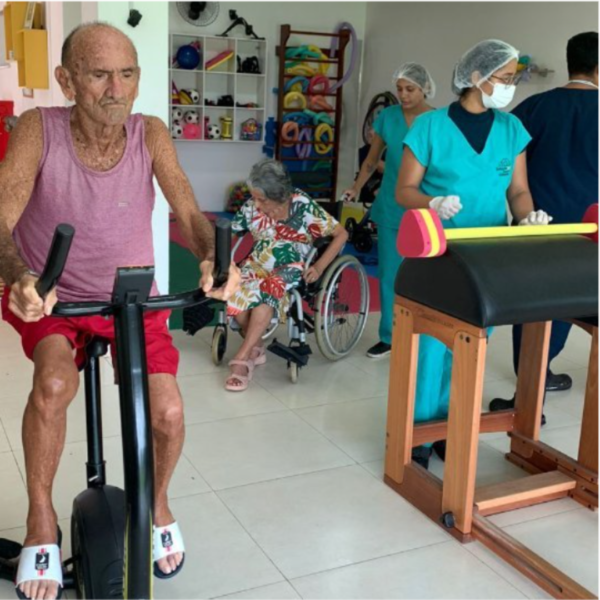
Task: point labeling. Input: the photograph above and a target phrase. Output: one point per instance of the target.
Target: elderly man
(91, 165)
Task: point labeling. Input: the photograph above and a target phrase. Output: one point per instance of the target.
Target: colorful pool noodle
(422, 235)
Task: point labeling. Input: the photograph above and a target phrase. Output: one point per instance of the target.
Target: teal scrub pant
(389, 261)
(435, 360)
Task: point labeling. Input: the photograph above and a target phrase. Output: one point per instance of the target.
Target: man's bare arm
(195, 227)
(17, 179)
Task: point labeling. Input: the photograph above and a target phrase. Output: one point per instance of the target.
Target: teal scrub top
(391, 127)
(454, 168)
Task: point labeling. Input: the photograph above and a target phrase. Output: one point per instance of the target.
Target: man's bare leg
(169, 433)
(55, 384)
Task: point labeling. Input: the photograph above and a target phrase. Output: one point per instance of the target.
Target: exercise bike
(111, 529)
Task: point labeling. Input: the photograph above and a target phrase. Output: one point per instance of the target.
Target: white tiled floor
(279, 491)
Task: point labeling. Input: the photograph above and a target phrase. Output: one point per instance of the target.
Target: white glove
(446, 206)
(538, 217)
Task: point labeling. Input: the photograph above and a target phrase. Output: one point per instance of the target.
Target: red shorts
(161, 355)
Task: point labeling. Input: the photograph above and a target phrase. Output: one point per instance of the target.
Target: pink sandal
(243, 380)
(258, 355)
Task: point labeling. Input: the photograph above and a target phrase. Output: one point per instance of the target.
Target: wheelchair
(335, 308)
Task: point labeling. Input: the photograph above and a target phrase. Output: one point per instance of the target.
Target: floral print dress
(276, 263)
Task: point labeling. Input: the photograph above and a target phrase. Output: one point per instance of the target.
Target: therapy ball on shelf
(191, 131)
(192, 117)
(189, 97)
(194, 96)
(188, 57)
(176, 115)
(176, 131)
(214, 132)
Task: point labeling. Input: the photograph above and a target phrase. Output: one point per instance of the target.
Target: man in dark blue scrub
(562, 164)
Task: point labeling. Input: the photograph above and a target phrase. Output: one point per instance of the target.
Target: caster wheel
(448, 520)
(293, 371)
(219, 345)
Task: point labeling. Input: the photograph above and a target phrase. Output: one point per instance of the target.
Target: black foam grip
(223, 250)
(57, 258)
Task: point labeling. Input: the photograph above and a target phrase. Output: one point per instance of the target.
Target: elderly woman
(284, 223)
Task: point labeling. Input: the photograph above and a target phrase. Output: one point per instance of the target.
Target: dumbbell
(421, 234)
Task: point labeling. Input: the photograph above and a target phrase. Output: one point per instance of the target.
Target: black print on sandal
(166, 539)
(42, 561)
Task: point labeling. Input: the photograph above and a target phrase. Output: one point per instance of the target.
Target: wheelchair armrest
(237, 245)
(319, 246)
(322, 242)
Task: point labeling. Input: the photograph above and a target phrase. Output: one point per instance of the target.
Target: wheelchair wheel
(342, 307)
(293, 371)
(219, 344)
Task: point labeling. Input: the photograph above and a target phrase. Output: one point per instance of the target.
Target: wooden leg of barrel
(588, 443)
(463, 428)
(401, 394)
(531, 383)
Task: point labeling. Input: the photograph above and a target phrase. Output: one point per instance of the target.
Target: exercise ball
(188, 57)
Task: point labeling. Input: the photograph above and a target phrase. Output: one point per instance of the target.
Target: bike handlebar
(57, 258)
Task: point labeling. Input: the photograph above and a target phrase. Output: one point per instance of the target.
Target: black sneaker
(500, 404)
(440, 449)
(558, 383)
(421, 455)
(379, 350)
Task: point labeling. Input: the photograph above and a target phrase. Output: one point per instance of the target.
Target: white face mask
(501, 96)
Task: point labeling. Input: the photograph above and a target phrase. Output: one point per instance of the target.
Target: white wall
(213, 167)
(151, 40)
(436, 34)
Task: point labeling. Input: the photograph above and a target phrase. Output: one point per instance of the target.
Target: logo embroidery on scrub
(504, 167)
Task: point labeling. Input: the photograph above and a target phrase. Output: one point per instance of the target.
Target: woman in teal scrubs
(466, 161)
(413, 86)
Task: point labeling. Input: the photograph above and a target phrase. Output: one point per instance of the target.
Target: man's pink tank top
(111, 211)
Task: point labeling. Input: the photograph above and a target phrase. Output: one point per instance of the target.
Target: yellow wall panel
(14, 21)
(33, 69)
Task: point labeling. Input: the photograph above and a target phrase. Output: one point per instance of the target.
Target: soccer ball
(176, 131)
(214, 132)
(176, 115)
(195, 96)
(192, 117)
(189, 97)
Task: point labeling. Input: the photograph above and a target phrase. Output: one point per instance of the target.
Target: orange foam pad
(591, 216)
(421, 234)
(219, 59)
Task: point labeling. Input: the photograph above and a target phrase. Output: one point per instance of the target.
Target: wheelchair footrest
(296, 354)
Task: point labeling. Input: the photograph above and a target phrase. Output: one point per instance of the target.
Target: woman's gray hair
(272, 179)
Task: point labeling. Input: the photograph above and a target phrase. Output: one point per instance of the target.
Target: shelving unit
(224, 81)
(317, 173)
(29, 47)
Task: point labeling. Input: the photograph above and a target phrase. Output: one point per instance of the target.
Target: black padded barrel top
(507, 281)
